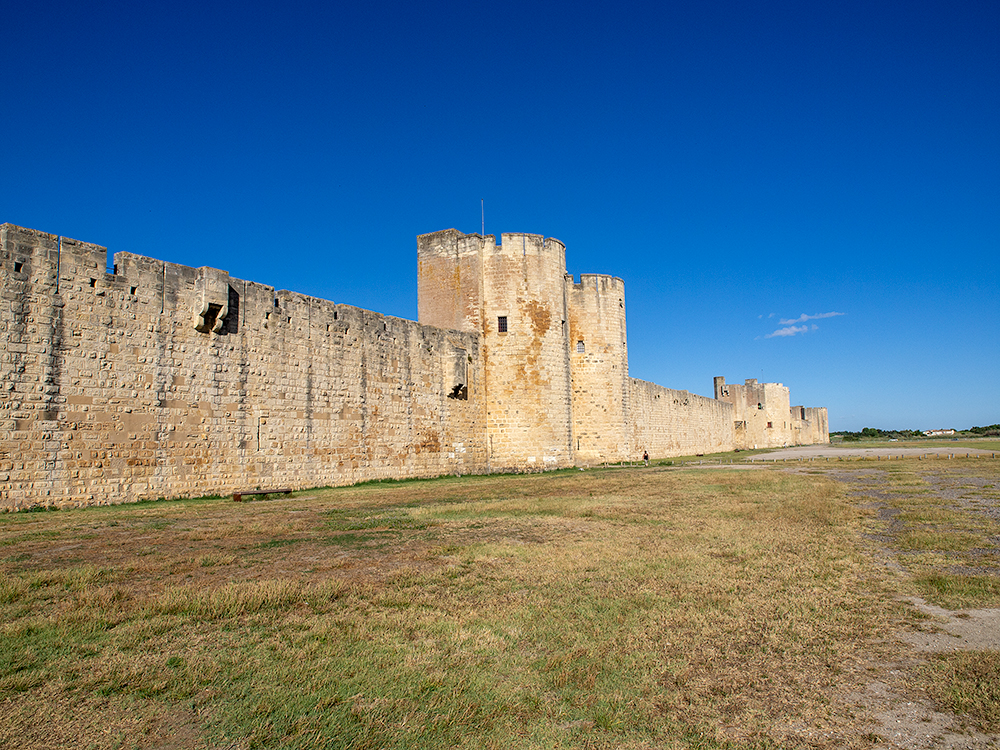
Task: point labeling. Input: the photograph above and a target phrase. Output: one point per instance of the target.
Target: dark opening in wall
(276, 303)
(334, 314)
(232, 323)
(502, 324)
(769, 424)
(93, 283)
(134, 288)
(210, 318)
(457, 364)
(18, 267)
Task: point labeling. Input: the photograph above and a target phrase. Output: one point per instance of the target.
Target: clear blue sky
(739, 164)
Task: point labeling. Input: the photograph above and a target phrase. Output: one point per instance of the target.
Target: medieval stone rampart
(763, 418)
(160, 380)
(666, 422)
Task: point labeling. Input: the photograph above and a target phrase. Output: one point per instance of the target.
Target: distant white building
(935, 433)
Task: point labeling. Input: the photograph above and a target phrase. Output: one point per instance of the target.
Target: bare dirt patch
(936, 496)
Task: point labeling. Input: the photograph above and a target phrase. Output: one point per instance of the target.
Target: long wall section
(666, 422)
(161, 380)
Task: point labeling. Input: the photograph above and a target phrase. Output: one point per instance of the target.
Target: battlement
(164, 380)
(598, 281)
(450, 243)
(50, 260)
(522, 243)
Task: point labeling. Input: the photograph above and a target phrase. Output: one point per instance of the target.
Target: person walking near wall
(645, 457)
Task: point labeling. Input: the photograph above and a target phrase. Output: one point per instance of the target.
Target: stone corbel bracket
(211, 299)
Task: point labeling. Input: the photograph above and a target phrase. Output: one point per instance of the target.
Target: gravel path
(802, 452)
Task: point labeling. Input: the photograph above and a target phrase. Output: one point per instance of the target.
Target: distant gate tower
(554, 353)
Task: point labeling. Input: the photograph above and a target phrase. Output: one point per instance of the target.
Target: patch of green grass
(959, 591)
(273, 543)
(968, 683)
(31, 536)
(933, 534)
(937, 514)
(354, 540)
(948, 541)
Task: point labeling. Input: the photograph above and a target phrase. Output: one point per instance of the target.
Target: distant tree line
(990, 430)
(873, 433)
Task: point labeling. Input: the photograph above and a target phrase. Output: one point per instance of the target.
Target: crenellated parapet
(162, 380)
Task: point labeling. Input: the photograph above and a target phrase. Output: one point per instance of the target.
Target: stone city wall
(809, 425)
(667, 423)
(763, 418)
(161, 380)
(514, 295)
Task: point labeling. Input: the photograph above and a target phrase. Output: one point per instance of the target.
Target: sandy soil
(898, 717)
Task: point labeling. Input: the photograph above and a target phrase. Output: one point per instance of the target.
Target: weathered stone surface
(160, 380)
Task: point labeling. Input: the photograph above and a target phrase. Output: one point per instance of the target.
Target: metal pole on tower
(482, 210)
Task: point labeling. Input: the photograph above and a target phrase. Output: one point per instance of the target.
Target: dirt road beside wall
(902, 451)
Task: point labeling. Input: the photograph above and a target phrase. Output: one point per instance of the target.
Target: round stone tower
(599, 368)
(525, 352)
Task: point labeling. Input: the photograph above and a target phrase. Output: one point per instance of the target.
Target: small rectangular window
(580, 347)
(768, 424)
(502, 324)
(18, 267)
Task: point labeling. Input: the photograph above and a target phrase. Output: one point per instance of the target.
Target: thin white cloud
(803, 318)
(788, 331)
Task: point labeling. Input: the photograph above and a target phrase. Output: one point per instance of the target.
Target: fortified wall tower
(762, 417)
(599, 367)
(514, 295)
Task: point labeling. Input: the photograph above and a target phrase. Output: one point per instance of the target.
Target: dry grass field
(628, 608)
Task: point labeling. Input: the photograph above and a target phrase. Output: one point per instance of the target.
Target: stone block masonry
(160, 380)
(164, 381)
